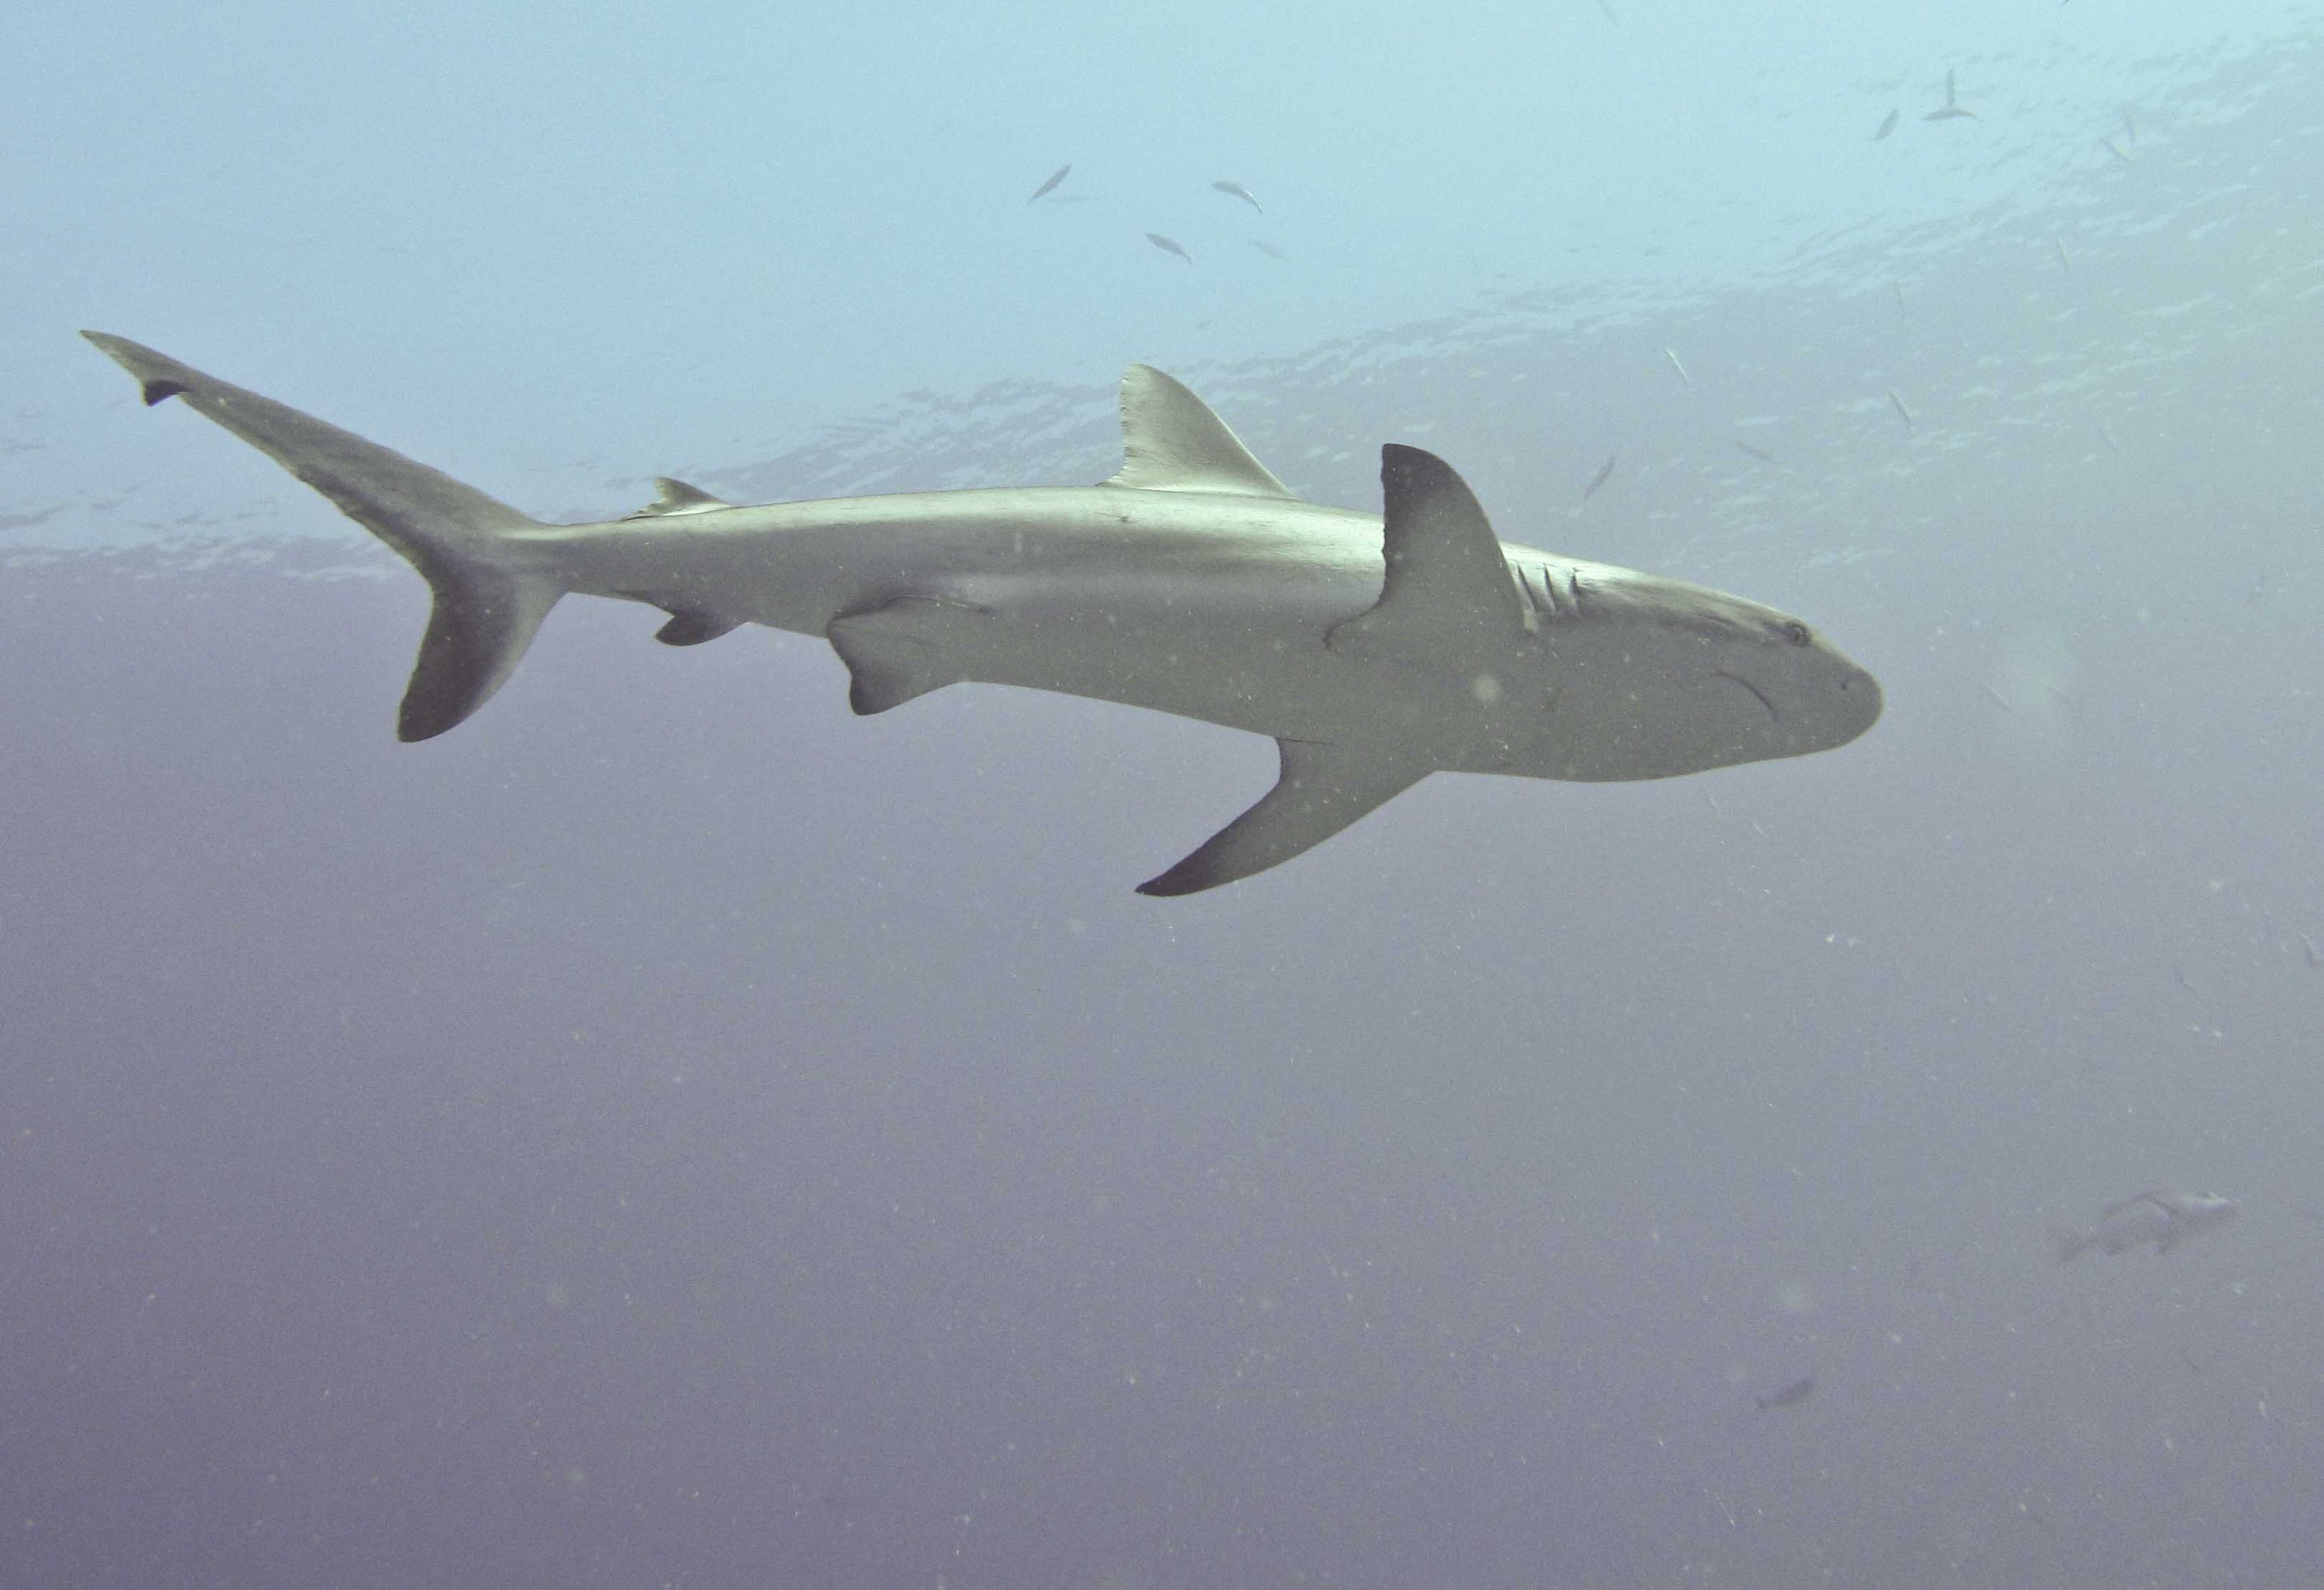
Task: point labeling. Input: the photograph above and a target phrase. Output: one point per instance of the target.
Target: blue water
(673, 1132)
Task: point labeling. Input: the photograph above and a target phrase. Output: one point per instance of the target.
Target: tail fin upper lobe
(488, 603)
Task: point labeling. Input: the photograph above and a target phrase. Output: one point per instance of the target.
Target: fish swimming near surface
(2164, 1219)
(1887, 125)
(1605, 472)
(1903, 413)
(1242, 193)
(1950, 110)
(1374, 650)
(1761, 454)
(1049, 187)
(1269, 249)
(1789, 1396)
(1169, 246)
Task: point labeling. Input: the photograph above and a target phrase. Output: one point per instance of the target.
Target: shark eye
(1796, 633)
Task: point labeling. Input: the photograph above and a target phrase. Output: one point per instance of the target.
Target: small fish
(2065, 261)
(1951, 109)
(1242, 193)
(2180, 973)
(1887, 125)
(1269, 249)
(1599, 479)
(1684, 380)
(2129, 127)
(1899, 289)
(2164, 1219)
(1903, 413)
(1168, 245)
(1050, 186)
(2106, 437)
(1764, 457)
(1790, 1396)
(2115, 149)
(2315, 956)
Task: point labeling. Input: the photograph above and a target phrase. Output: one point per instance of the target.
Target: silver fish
(1605, 472)
(1050, 186)
(2164, 1219)
(1790, 1396)
(1887, 125)
(1169, 246)
(1242, 193)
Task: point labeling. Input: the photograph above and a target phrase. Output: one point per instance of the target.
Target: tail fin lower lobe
(488, 603)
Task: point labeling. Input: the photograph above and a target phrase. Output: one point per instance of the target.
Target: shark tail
(489, 602)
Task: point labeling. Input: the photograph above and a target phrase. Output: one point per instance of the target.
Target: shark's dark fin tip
(691, 629)
(161, 391)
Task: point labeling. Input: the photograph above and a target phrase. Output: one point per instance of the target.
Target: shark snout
(1828, 702)
(1862, 701)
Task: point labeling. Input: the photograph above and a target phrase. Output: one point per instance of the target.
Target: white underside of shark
(1374, 651)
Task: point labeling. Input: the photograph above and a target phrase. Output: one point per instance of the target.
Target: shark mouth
(1756, 694)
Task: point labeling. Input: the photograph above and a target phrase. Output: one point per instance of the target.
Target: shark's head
(1655, 677)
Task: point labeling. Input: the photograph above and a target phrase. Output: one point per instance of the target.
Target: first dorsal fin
(1447, 580)
(675, 496)
(1171, 441)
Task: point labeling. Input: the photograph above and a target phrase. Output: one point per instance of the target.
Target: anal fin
(690, 628)
(1321, 790)
(902, 649)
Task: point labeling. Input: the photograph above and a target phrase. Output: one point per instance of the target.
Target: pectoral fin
(1321, 790)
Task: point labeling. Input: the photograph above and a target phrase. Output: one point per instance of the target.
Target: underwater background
(673, 1132)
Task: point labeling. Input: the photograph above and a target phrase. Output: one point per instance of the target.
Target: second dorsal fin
(1171, 441)
(675, 496)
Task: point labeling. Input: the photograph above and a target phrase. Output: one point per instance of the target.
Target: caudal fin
(489, 602)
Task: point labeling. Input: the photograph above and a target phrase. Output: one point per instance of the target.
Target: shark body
(1374, 650)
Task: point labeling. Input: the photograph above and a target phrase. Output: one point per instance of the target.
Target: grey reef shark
(1374, 652)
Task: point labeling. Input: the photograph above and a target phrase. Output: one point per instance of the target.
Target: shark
(2161, 1219)
(1375, 650)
